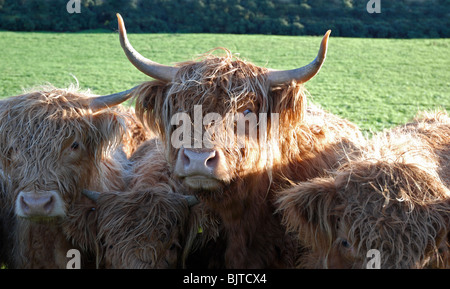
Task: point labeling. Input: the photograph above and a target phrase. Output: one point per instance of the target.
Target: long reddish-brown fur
(310, 142)
(141, 228)
(144, 227)
(136, 134)
(5, 219)
(37, 129)
(393, 196)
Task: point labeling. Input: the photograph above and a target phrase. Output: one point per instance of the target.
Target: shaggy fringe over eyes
(142, 231)
(225, 84)
(408, 208)
(212, 75)
(35, 125)
(201, 82)
(400, 182)
(391, 196)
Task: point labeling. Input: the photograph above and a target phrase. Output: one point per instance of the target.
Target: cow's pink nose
(31, 204)
(199, 161)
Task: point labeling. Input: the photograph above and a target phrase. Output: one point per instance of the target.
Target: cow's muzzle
(42, 204)
(201, 168)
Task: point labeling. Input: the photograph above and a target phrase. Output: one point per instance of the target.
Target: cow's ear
(150, 97)
(289, 101)
(309, 209)
(109, 127)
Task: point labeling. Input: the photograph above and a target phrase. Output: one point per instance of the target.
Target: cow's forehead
(223, 82)
(39, 120)
(44, 125)
(48, 102)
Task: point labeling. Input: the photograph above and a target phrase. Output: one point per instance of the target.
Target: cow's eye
(247, 111)
(345, 244)
(75, 146)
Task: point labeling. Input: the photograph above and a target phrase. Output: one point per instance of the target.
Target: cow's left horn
(105, 101)
(91, 195)
(150, 68)
(302, 74)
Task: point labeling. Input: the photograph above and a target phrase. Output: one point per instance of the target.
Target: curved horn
(191, 200)
(150, 68)
(91, 195)
(105, 101)
(302, 74)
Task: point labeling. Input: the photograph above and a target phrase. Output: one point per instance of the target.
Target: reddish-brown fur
(393, 196)
(140, 228)
(5, 219)
(310, 143)
(37, 130)
(136, 134)
(143, 227)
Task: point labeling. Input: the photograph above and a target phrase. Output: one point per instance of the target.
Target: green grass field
(376, 83)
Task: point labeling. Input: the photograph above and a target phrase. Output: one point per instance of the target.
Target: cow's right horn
(105, 101)
(302, 74)
(150, 68)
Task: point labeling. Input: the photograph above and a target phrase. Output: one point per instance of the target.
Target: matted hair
(38, 130)
(35, 125)
(392, 196)
(306, 142)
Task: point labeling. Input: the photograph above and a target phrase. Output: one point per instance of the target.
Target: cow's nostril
(199, 161)
(48, 206)
(185, 158)
(212, 160)
(24, 205)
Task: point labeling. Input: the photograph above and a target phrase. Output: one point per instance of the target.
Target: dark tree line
(398, 18)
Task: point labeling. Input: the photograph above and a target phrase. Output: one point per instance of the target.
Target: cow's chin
(43, 219)
(202, 183)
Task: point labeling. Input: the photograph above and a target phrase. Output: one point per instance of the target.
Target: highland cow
(53, 144)
(394, 198)
(235, 181)
(143, 227)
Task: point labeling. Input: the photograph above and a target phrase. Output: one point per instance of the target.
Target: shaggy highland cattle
(143, 227)
(53, 144)
(236, 182)
(394, 197)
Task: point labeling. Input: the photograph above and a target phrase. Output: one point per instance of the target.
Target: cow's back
(434, 129)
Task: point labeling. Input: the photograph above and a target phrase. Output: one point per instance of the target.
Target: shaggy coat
(4, 220)
(144, 227)
(393, 197)
(141, 228)
(50, 140)
(136, 134)
(308, 142)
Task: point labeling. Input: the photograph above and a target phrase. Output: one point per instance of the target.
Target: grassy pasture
(376, 83)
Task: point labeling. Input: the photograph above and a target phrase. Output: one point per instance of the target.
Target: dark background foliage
(349, 18)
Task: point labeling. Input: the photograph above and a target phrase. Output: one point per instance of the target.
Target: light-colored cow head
(202, 102)
(51, 144)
